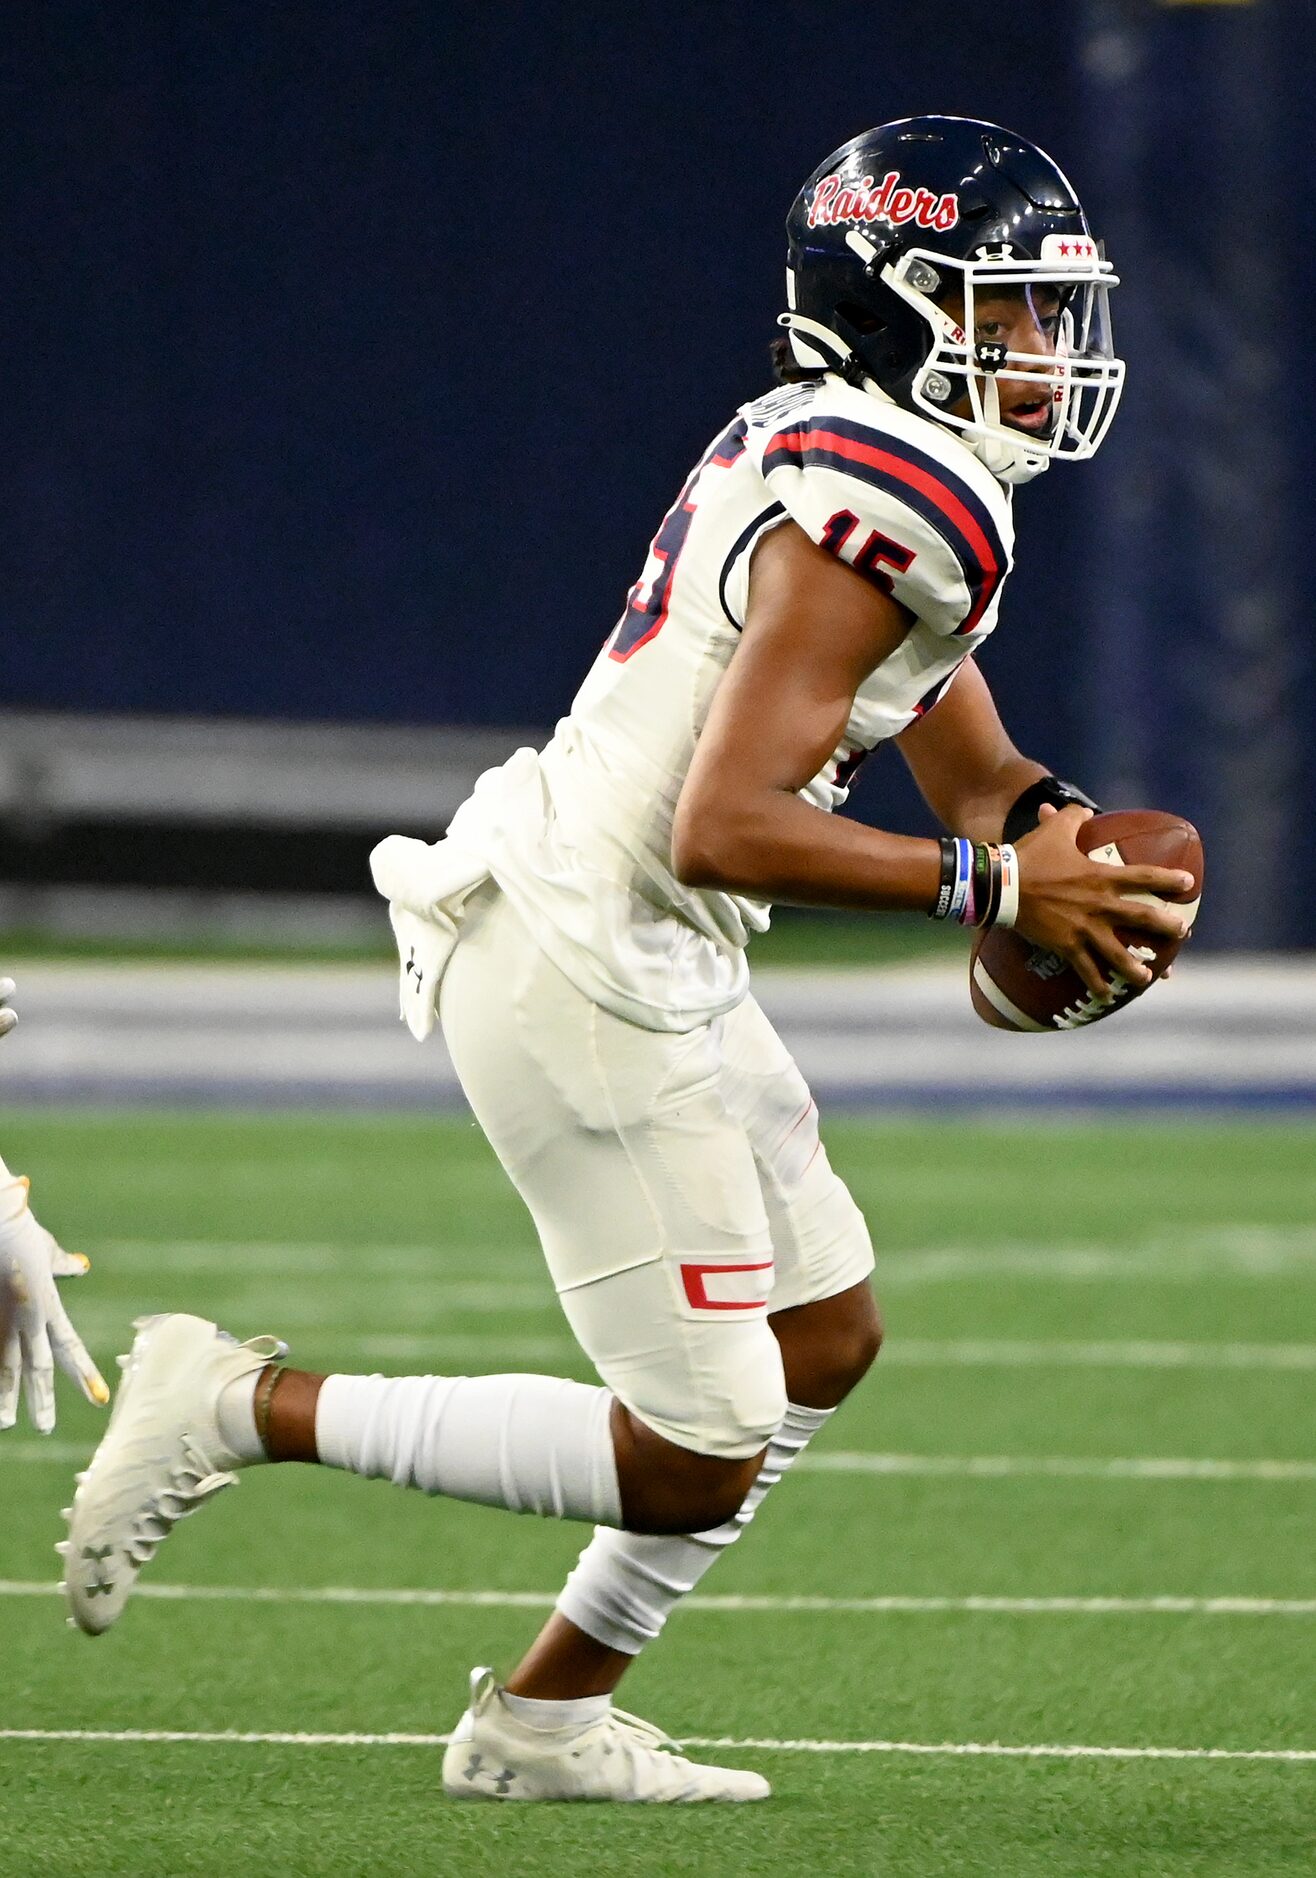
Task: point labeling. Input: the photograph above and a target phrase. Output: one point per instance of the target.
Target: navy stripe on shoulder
(931, 466)
(909, 475)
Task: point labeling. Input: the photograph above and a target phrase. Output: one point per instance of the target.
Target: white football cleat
(160, 1459)
(494, 1756)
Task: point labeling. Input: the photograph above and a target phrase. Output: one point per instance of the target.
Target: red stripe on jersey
(940, 494)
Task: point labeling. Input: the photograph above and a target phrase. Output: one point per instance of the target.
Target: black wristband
(946, 887)
(993, 906)
(1025, 811)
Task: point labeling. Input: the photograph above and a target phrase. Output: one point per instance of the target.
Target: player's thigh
(644, 1189)
(616, 1137)
(820, 1238)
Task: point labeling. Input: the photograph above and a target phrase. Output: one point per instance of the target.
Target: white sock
(235, 1414)
(534, 1444)
(550, 1715)
(626, 1584)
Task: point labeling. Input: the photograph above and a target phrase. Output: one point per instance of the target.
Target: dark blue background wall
(353, 351)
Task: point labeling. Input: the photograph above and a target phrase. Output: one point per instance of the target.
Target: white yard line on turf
(985, 1606)
(492, 1344)
(986, 1749)
(22, 1453)
(434, 1263)
(1000, 1353)
(913, 1352)
(1239, 1250)
(1226, 1252)
(1077, 1467)
(1138, 1467)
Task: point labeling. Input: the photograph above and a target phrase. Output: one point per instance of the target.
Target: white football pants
(677, 1182)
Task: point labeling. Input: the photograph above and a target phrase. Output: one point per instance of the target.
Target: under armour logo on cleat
(502, 1783)
(102, 1584)
(413, 967)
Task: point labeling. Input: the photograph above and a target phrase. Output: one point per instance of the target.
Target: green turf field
(1063, 1304)
(816, 937)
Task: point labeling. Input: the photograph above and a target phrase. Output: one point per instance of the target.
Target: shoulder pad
(907, 506)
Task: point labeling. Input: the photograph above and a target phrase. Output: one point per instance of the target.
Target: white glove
(8, 1016)
(40, 1334)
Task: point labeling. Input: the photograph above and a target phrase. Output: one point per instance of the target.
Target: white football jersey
(588, 861)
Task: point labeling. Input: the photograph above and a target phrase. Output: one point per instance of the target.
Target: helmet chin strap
(1008, 461)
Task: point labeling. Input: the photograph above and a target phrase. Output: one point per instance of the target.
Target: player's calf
(663, 1488)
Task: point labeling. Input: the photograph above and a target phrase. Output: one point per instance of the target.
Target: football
(1016, 985)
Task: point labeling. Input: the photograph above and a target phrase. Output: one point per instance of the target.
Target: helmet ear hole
(861, 318)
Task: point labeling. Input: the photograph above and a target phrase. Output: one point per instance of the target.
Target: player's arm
(814, 630)
(967, 769)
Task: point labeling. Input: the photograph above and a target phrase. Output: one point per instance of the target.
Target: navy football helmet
(914, 214)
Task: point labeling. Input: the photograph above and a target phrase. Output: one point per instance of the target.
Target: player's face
(1023, 320)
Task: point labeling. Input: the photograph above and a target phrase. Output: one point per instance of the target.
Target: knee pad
(728, 1406)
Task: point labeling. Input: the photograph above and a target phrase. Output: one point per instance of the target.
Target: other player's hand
(39, 1333)
(8, 1015)
(1072, 905)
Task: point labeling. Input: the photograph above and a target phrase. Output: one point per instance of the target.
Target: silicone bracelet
(963, 889)
(1007, 912)
(946, 887)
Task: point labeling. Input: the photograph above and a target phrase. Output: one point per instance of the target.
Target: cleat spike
(61, 1586)
(70, 1622)
(66, 1512)
(123, 1361)
(81, 1477)
(61, 1546)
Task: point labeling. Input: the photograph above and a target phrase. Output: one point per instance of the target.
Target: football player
(35, 1332)
(819, 586)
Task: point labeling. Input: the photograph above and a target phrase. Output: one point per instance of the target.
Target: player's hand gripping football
(39, 1333)
(1072, 905)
